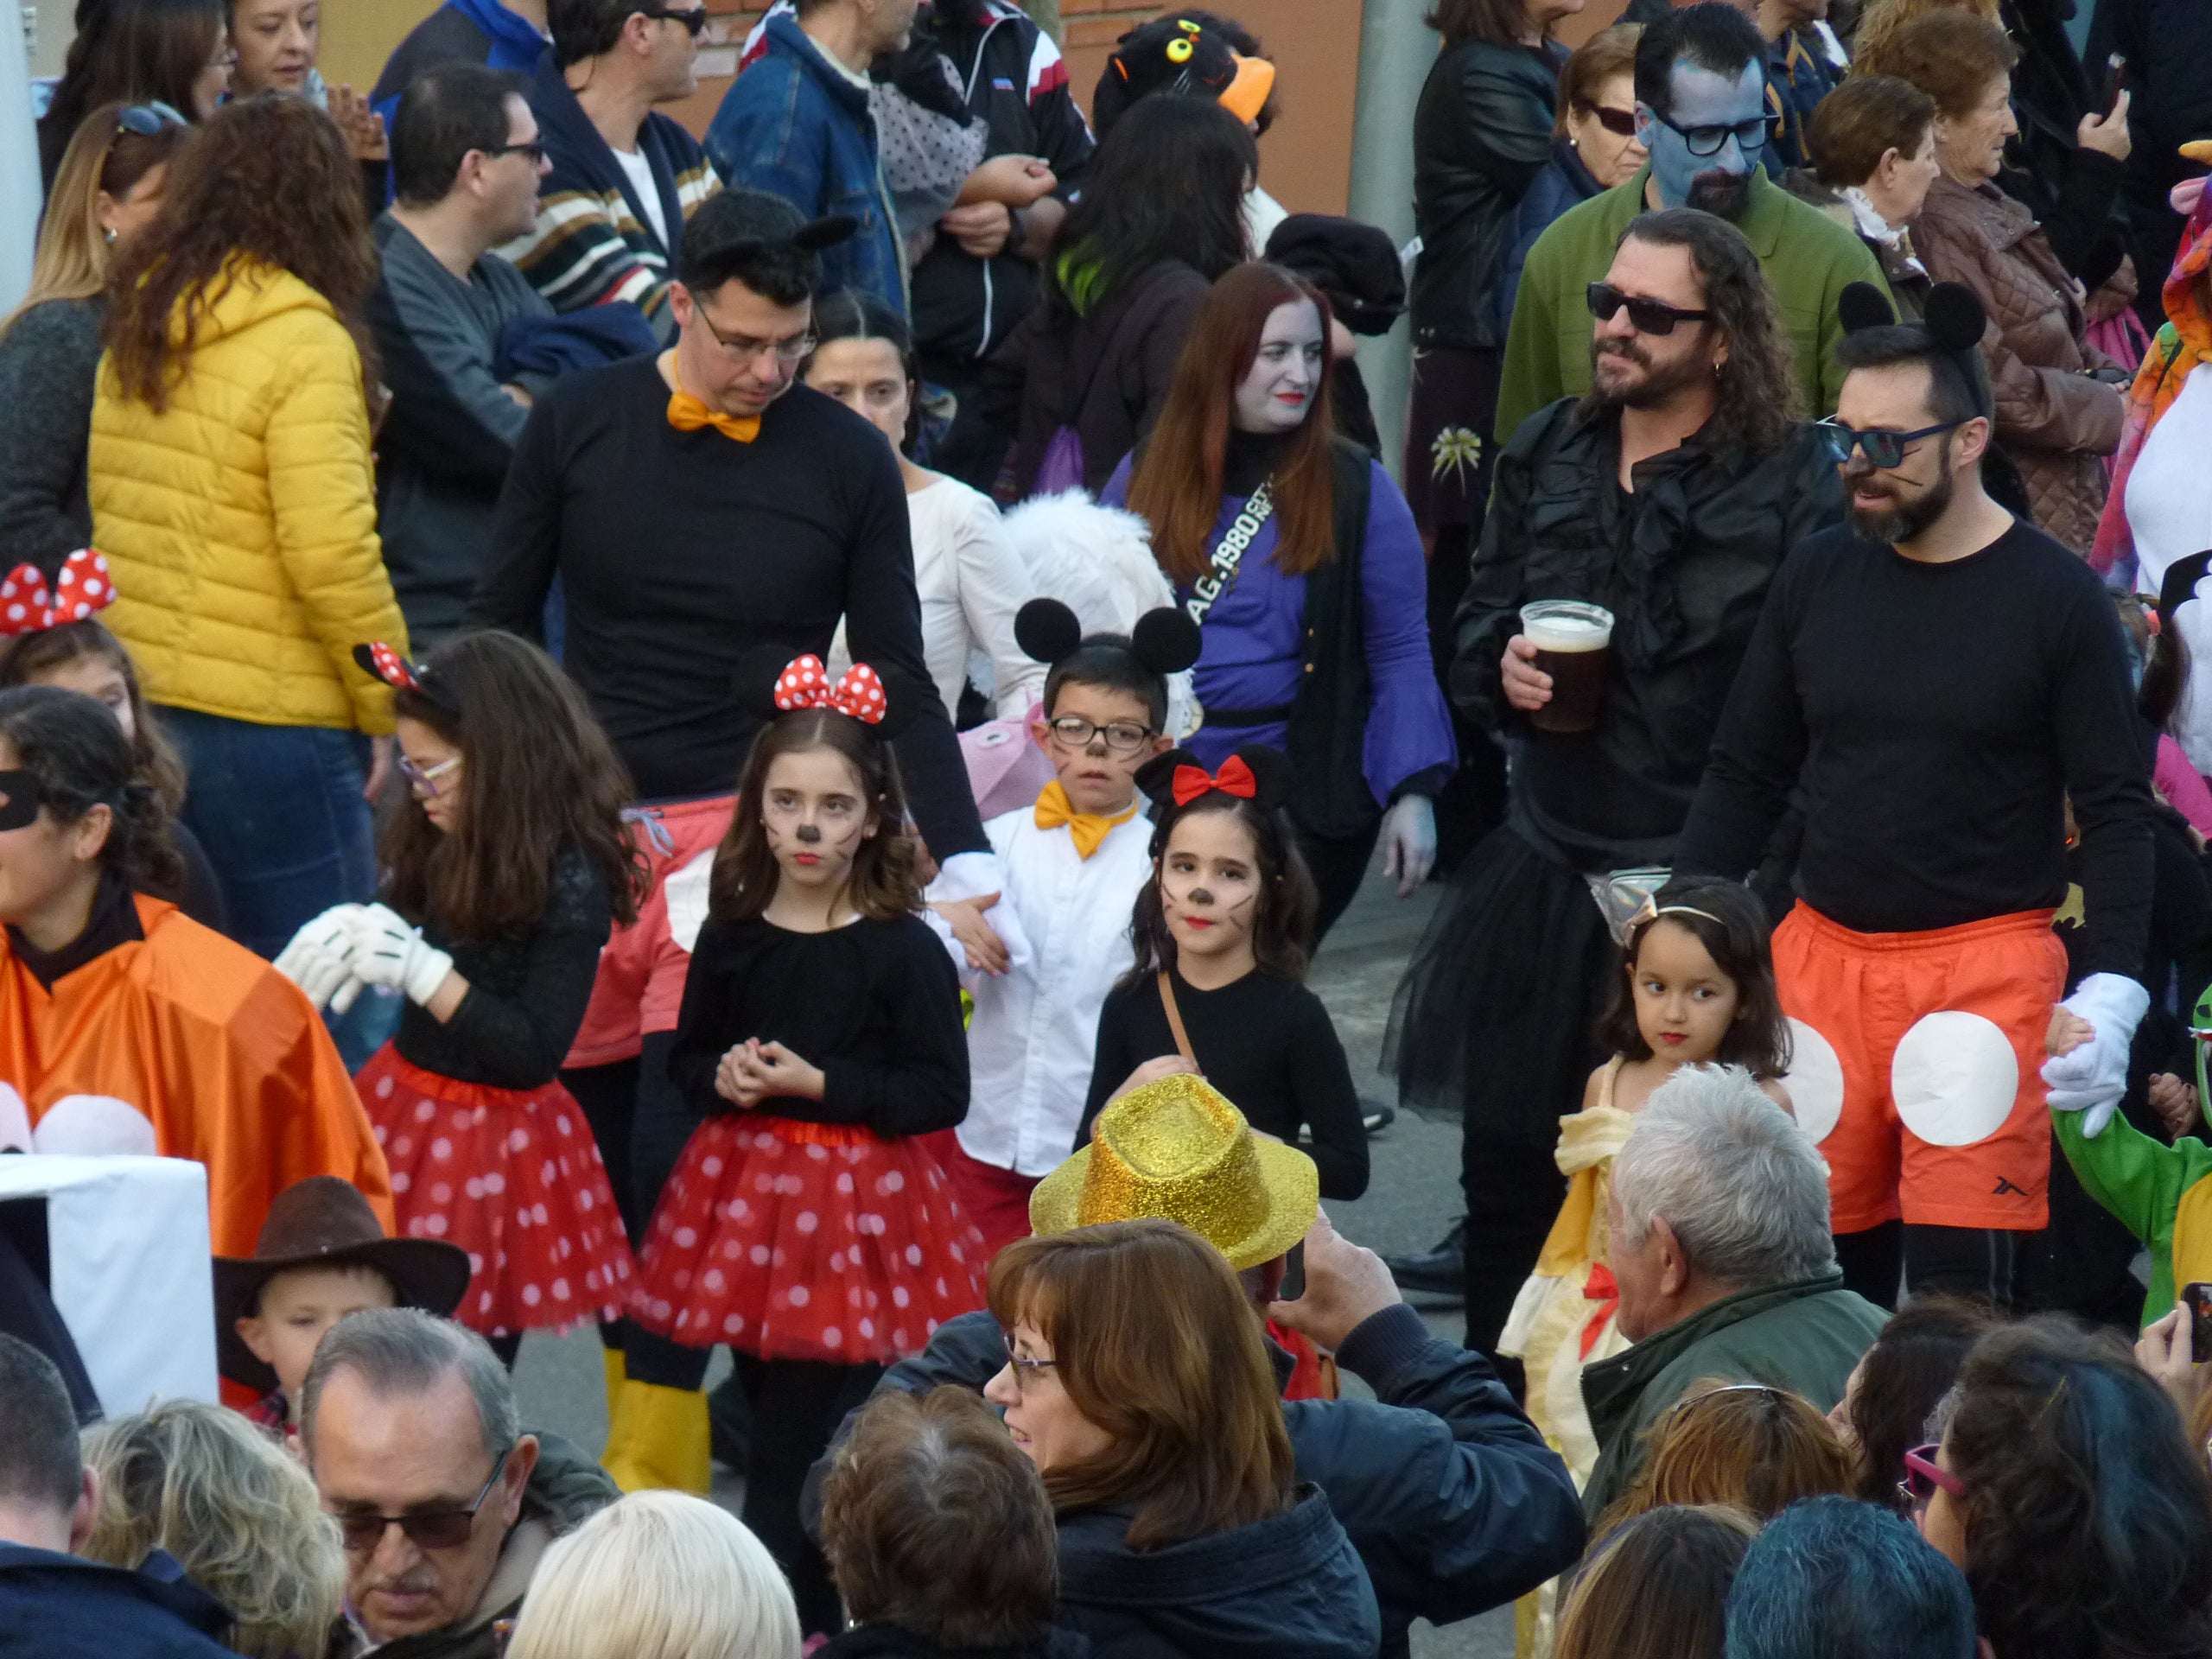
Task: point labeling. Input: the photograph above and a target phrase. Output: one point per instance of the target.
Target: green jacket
(1804, 1335)
(2159, 1192)
(1807, 255)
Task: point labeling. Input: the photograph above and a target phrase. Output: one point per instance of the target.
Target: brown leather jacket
(2052, 417)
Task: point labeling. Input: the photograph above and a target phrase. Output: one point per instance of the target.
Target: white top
(1065, 924)
(1262, 213)
(2170, 515)
(641, 179)
(971, 582)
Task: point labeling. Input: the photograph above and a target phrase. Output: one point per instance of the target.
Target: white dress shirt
(2170, 515)
(1064, 921)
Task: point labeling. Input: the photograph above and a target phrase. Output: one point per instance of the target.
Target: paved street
(1414, 1196)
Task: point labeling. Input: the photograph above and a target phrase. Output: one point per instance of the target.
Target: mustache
(1614, 346)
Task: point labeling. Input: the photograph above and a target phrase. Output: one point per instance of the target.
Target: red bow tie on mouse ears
(1235, 778)
(804, 683)
(29, 606)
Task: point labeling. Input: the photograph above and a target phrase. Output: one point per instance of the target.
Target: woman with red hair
(1299, 559)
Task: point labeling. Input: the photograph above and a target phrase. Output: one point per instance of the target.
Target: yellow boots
(655, 1437)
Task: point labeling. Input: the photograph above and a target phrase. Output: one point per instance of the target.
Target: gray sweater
(49, 360)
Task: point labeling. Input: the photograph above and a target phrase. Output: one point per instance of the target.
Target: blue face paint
(1720, 182)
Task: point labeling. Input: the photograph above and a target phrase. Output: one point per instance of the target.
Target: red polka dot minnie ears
(805, 683)
(29, 605)
(381, 662)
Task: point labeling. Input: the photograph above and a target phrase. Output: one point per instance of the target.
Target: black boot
(729, 1422)
(1438, 1272)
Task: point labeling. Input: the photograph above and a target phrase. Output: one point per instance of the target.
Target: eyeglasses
(1620, 123)
(425, 1530)
(1026, 1371)
(1883, 446)
(1123, 736)
(423, 781)
(1706, 142)
(148, 120)
(534, 149)
(1924, 1478)
(694, 20)
(226, 58)
(745, 348)
(1645, 316)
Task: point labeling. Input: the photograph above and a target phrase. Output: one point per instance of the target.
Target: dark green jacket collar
(1765, 213)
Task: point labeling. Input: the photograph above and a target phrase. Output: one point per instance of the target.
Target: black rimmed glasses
(694, 20)
(1705, 143)
(1645, 316)
(1882, 447)
(744, 347)
(425, 1529)
(534, 149)
(1026, 1371)
(1123, 736)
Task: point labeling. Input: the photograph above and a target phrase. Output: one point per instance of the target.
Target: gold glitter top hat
(1179, 1149)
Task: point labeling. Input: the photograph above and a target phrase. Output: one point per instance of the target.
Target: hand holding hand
(1016, 180)
(387, 952)
(774, 1070)
(2091, 1078)
(1527, 688)
(1410, 841)
(1345, 1283)
(731, 1082)
(2069, 1031)
(981, 228)
(320, 959)
(987, 952)
(2175, 1102)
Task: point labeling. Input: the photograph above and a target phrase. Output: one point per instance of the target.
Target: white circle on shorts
(1955, 1078)
(1815, 1081)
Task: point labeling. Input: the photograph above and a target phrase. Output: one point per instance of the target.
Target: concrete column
(1395, 49)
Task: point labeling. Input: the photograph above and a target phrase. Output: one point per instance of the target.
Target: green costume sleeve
(1529, 380)
(2140, 1181)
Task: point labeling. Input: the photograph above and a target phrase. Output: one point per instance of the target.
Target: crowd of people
(745, 738)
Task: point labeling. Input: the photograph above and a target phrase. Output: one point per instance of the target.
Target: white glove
(2092, 1078)
(320, 959)
(386, 951)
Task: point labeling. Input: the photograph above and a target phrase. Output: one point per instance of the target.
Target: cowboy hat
(1179, 1149)
(323, 1222)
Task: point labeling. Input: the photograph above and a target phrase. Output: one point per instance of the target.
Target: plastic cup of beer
(1572, 640)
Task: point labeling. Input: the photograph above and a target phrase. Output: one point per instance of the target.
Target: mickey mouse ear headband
(1953, 322)
(1164, 641)
(1179, 778)
(28, 604)
(379, 661)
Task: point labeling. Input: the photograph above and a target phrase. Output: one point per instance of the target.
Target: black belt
(1272, 715)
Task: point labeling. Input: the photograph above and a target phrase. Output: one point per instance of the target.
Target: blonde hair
(72, 260)
(1882, 19)
(238, 1512)
(658, 1575)
(1751, 1445)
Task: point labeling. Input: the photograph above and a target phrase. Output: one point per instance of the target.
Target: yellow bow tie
(687, 414)
(1089, 829)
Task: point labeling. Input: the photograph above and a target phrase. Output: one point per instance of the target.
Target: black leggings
(1978, 1263)
(640, 1122)
(797, 1406)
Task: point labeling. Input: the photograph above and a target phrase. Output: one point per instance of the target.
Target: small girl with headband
(1696, 988)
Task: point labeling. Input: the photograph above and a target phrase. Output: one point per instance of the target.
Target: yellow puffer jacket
(240, 522)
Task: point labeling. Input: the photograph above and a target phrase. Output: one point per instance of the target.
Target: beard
(1901, 520)
(1657, 386)
(1722, 195)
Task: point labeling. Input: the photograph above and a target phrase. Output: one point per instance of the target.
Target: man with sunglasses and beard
(1937, 681)
(1667, 494)
(1701, 111)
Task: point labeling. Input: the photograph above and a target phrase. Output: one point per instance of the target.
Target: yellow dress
(1558, 1326)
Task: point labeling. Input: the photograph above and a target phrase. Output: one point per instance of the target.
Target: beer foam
(1567, 633)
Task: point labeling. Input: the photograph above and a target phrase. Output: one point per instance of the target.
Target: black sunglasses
(1648, 316)
(1883, 448)
(1620, 123)
(534, 149)
(426, 1530)
(1705, 142)
(694, 20)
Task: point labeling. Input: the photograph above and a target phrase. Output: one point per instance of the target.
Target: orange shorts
(640, 984)
(1915, 1066)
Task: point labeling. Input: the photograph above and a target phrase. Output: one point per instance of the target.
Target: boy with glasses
(1057, 937)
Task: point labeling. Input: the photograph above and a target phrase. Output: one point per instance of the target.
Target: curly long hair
(539, 776)
(1759, 401)
(238, 1512)
(1176, 487)
(76, 750)
(265, 182)
(34, 658)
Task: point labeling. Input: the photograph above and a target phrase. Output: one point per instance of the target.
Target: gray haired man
(444, 1502)
(1720, 1223)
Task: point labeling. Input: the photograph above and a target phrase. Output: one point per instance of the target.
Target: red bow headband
(28, 605)
(1235, 778)
(804, 683)
(379, 659)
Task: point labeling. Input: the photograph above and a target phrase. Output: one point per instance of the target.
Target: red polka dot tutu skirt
(514, 1178)
(806, 1240)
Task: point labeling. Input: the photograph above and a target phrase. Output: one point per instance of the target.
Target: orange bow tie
(687, 414)
(1089, 829)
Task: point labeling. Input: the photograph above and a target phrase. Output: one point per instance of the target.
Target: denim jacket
(793, 126)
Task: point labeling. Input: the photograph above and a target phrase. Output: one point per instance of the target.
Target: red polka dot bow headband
(380, 660)
(28, 604)
(1235, 778)
(805, 683)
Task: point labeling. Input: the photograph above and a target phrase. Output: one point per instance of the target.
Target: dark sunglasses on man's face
(533, 150)
(1645, 316)
(1620, 123)
(694, 20)
(1882, 447)
(425, 1530)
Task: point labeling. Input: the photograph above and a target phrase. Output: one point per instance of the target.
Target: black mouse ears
(1164, 641)
(1953, 317)
(1863, 306)
(1177, 778)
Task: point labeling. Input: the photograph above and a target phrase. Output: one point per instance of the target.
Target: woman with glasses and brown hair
(107, 189)
(231, 491)
(175, 55)
(1138, 1383)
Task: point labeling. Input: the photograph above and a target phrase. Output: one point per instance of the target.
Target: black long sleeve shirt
(683, 554)
(875, 1006)
(1265, 1043)
(1939, 717)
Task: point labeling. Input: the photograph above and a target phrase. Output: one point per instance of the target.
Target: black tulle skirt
(1496, 1017)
